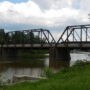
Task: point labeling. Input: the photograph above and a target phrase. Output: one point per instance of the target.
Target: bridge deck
(26, 45)
(62, 45)
(74, 45)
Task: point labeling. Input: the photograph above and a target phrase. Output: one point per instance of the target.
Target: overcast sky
(54, 15)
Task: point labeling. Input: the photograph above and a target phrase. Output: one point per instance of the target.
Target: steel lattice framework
(75, 34)
(42, 36)
(73, 37)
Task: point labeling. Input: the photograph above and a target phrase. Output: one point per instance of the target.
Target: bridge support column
(59, 57)
(8, 52)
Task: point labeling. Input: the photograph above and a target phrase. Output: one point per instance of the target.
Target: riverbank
(76, 77)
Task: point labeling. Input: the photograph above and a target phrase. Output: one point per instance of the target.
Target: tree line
(19, 37)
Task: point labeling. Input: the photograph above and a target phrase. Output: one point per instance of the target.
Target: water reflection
(34, 68)
(10, 73)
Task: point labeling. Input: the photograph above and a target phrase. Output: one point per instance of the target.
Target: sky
(53, 15)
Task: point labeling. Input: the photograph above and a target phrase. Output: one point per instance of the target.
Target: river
(9, 71)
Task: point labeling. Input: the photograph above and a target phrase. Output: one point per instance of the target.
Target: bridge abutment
(59, 57)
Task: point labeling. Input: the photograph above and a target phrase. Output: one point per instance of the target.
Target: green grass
(73, 78)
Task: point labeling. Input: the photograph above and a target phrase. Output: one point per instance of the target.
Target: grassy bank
(76, 77)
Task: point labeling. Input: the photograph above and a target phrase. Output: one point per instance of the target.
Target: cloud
(50, 14)
(55, 4)
(85, 5)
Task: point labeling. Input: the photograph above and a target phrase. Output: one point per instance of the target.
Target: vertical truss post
(39, 36)
(22, 36)
(48, 35)
(86, 34)
(81, 36)
(31, 38)
(67, 36)
(73, 35)
(67, 39)
(41, 42)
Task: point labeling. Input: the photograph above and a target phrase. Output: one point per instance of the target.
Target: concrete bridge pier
(8, 52)
(59, 57)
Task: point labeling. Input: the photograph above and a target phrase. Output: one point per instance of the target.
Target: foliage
(19, 37)
(48, 72)
(81, 63)
(2, 34)
(74, 78)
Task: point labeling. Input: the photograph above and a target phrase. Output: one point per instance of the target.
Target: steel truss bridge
(73, 37)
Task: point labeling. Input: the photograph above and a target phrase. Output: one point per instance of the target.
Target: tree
(18, 37)
(2, 36)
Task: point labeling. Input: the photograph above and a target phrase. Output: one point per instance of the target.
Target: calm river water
(9, 71)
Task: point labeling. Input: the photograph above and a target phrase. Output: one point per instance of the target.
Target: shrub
(48, 72)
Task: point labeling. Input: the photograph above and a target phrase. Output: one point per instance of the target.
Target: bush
(81, 63)
(48, 72)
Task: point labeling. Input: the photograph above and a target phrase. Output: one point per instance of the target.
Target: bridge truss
(33, 36)
(75, 34)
